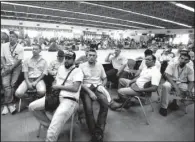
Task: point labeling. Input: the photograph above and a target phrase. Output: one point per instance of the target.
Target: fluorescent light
(185, 7)
(128, 11)
(25, 5)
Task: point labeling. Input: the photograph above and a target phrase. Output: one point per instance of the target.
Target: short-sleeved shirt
(118, 62)
(149, 74)
(93, 74)
(180, 75)
(35, 67)
(75, 75)
(143, 65)
(53, 67)
(12, 57)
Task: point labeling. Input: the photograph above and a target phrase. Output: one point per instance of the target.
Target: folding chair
(144, 96)
(30, 94)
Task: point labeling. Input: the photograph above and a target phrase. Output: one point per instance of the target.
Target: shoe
(173, 106)
(12, 109)
(163, 111)
(5, 110)
(115, 106)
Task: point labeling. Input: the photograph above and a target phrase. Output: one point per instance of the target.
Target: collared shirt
(92, 74)
(53, 67)
(12, 56)
(143, 65)
(118, 62)
(35, 67)
(75, 75)
(180, 75)
(149, 74)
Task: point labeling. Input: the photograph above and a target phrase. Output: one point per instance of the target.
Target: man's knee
(166, 85)
(32, 106)
(41, 92)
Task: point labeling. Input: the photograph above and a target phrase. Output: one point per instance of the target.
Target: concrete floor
(127, 125)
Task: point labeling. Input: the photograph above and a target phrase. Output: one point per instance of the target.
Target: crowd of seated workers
(88, 82)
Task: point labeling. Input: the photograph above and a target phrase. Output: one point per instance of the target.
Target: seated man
(34, 70)
(180, 77)
(127, 71)
(69, 96)
(117, 62)
(93, 89)
(135, 87)
(53, 69)
(82, 59)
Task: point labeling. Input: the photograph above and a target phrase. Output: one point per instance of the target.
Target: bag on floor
(52, 98)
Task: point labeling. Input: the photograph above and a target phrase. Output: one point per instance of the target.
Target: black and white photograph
(97, 71)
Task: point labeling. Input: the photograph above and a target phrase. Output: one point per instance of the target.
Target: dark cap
(70, 54)
(14, 33)
(61, 53)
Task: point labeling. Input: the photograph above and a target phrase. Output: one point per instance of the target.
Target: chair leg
(142, 109)
(39, 130)
(19, 105)
(71, 127)
(151, 104)
(125, 103)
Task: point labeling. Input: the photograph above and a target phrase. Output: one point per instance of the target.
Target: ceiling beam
(54, 9)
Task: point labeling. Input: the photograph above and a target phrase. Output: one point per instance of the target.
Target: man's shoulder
(5, 45)
(83, 64)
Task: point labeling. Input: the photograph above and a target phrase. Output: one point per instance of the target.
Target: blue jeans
(9, 83)
(88, 109)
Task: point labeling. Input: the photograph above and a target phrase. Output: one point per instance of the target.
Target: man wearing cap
(11, 58)
(68, 97)
(34, 68)
(54, 65)
(93, 89)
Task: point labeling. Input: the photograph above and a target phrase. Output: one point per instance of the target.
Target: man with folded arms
(68, 97)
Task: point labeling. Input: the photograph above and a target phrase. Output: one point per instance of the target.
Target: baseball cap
(14, 33)
(70, 54)
(60, 53)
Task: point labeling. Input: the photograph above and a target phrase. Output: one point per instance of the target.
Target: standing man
(180, 77)
(68, 97)
(34, 70)
(11, 58)
(93, 89)
(117, 62)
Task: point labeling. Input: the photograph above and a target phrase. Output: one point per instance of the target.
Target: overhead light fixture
(183, 6)
(128, 11)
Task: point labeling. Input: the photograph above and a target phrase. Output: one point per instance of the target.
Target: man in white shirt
(93, 89)
(12, 54)
(117, 62)
(180, 77)
(136, 86)
(69, 97)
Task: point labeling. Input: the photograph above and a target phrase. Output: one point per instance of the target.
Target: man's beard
(67, 66)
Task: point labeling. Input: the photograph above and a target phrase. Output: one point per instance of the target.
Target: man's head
(60, 56)
(92, 56)
(117, 50)
(154, 48)
(150, 60)
(191, 53)
(184, 59)
(148, 52)
(36, 49)
(70, 57)
(13, 38)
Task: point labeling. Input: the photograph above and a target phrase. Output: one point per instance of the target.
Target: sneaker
(163, 111)
(5, 110)
(12, 109)
(173, 106)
